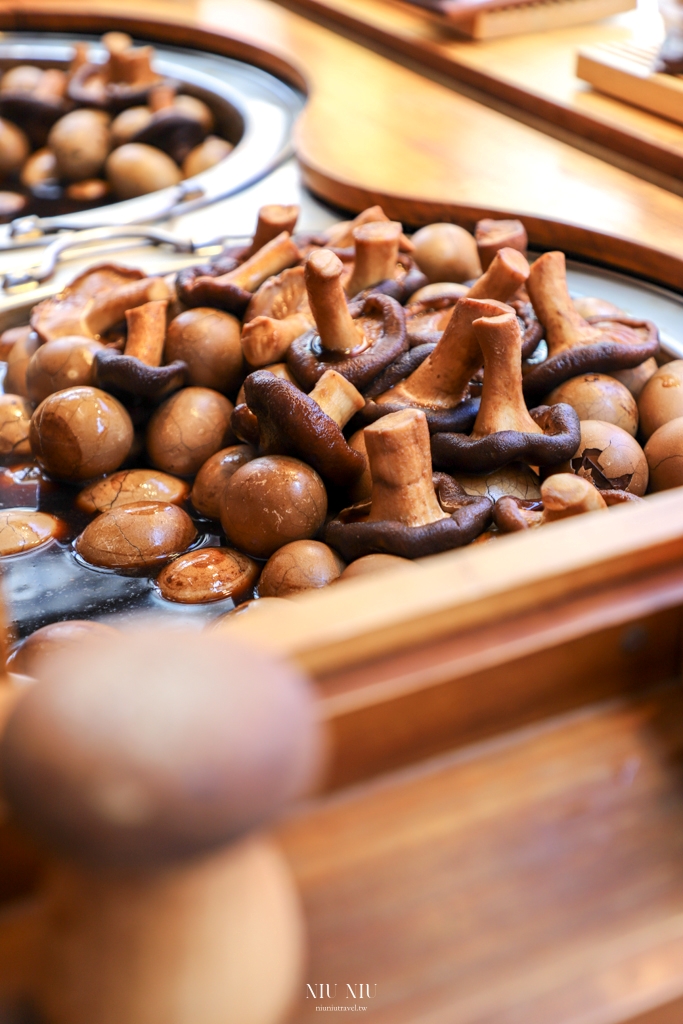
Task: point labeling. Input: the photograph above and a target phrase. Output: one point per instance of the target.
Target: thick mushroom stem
(401, 468)
(442, 380)
(493, 235)
(337, 330)
(547, 286)
(271, 258)
(147, 332)
(132, 66)
(506, 274)
(337, 397)
(272, 221)
(106, 312)
(566, 494)
(502, 402)
(340, 235)
(265, 340)
(376, 247)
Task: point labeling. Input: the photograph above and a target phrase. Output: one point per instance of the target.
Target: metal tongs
(75, 239)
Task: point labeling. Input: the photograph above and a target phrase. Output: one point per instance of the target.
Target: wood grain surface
(535, 72)
(374, 131)
(534, 880)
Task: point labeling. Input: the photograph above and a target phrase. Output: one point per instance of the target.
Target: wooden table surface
(534, 72)
(374, 131)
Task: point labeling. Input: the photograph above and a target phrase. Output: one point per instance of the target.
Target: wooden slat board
(535, 73)
(624, 70)
(538, 880)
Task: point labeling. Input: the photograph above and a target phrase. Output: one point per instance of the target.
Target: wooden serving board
(492, 22)
(624, 70)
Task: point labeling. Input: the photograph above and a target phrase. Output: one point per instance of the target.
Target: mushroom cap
(353, 536)
(664, 454)
(610, 458)
(596, 396)
(151, 746)
(291, 423)
(80, 432)
(626, 343)
(558, 442)
(512, 515)
(89, 87)
(299, 566)
(271, 501)
(197, 286)
(661, 399)
(37, 115)
(308, 360)
(457, 420)
(173, 132)
(128, 374)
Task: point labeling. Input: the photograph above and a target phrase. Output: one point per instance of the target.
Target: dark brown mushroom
(576, 345)
(95, 301)
(308, 426)
(411, 513)
(429, 309)
(271, 501)
(137, 371)
(34, 101)
(299, 566)
(441, 383)
(277, 314)
(243, 420)
(357, 341)
(492, 235)
(141, 535)
(170, 128)
(232, 290)
(124, 80)
(504, 430)
(562, 495)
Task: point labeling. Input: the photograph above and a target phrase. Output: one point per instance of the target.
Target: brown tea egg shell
(596, 396)
(187, 429)
(136, 169)
(589, 305)
(196, 109)
(664, 454)
(137, 536)
(80, 142)
(63, 363)
(208, 340)
(10, 337)
(446, 252)
(128, 123)
(271, 501)
(370, 565)
(207, 154)
(636, 379)
(301, 565)
(515, 479)
(254, 606)
(11, 205)
(661, 399)
(21, 530)
(129, 486)
(41, 167)
(212, 478)
(209, 574)
(609, 457)
(26, 659)
(14, 148)
(15, 424)
(80, 433)
(18, 359)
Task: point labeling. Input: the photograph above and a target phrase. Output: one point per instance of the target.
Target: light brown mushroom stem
(116, 42)
(161, 97)
(147, 331)
(272, 221)
(79, 58)
(340, 235)
(337, 397)
(106, 312)
(507, 273)
(502, 402)
(442, 380)
(132, 66)
(565, 494)
(547, 286)
(376, 247)
(338, 332)
(492, 235)
(265, 340)
(275, 256)
(401, 467)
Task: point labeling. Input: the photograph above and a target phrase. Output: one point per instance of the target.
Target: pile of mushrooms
(283, 398)
(98, 131)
